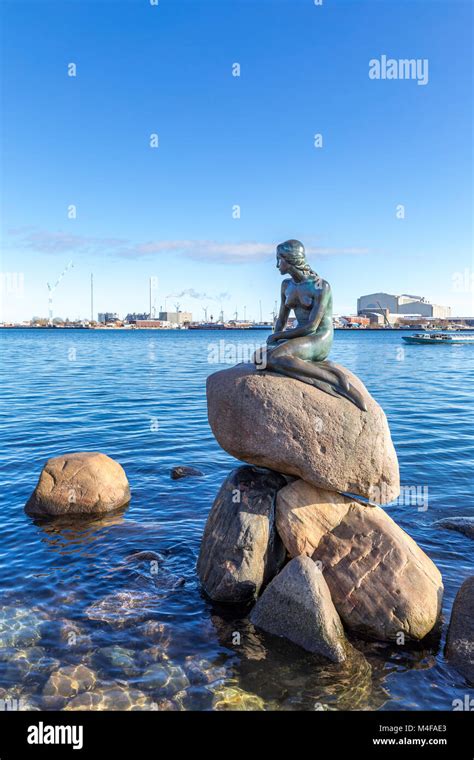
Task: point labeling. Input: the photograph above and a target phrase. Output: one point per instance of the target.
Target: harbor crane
(51, 290)
(386, 322)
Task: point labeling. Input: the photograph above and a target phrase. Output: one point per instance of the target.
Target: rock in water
(185, 472)
(460, 638)
(123, 608)
(381, 582)
(297, 605)
(274, 421)
(67, 682)
(112, 697)
(463, 525)
(82, 483)
(240, 549)
(20, 626)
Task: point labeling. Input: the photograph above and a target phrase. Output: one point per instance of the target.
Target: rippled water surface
(140, 398)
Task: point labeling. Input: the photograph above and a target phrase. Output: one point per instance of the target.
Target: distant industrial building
(106, 316)
(148, 323)
(132, 318)
(175, 317)
(352, 321)
(408, 305)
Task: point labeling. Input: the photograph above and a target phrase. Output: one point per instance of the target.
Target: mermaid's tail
(332, 389)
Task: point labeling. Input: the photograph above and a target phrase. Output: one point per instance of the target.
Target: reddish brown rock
(381, 582)
(291, 427)
(84, 483)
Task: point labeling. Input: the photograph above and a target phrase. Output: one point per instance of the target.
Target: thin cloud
(43, 241)
(337, 251)
(224, 252)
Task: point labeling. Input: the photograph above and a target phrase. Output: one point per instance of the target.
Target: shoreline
(229, 329)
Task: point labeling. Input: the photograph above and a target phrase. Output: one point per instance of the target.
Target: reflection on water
(106, 613)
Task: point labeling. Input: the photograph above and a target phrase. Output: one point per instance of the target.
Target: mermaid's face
(282, 265)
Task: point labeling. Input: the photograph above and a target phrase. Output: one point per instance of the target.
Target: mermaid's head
(291, 259)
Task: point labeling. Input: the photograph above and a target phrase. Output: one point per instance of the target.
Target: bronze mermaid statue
(301, 352)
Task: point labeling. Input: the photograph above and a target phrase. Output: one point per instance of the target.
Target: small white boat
(436, 338)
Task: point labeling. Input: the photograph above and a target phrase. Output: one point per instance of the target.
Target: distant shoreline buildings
(374, 311)
(388, 309)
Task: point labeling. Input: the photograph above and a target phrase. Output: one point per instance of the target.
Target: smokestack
(92, 297)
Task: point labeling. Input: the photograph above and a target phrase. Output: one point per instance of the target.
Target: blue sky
(223, 141)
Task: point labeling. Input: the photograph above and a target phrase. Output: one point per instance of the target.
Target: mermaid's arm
(284, 310)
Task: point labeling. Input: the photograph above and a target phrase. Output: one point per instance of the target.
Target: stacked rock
(289, 533)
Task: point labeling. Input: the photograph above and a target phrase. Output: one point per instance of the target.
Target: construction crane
(387, 323)
(52, 288)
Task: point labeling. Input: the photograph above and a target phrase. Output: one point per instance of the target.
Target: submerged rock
(460, 638)
(72, 635)
(185, 472)
(122, 608)
(112, 697)
(29, 665)
(86, 483)
(67, 682)
(117, 659)
(274, 421)
(15, 699)
(144, 556)
(164, 678)
(297, 605)
(20, 626)
(463, 525)
(157, 632)
(151, 655)
(381, 582)
(233, 698)
(201, 671)
(240, 549)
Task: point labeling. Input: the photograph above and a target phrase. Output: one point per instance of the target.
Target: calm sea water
(140, 398)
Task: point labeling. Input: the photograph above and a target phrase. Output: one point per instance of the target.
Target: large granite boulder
(241, 550)
(460, 638)
(381, 582)
(297, 605)
(274, 421)
(81, 483)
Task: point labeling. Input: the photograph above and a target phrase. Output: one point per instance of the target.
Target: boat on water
(436, 338)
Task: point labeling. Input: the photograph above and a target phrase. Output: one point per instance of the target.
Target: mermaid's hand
(274, 338)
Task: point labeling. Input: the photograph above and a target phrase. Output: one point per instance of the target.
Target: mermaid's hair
(294, 254)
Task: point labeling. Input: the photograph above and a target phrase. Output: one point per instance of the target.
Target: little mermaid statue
(301, 352)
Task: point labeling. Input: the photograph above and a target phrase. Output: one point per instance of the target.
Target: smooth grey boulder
(241, 550)
(297, 605)
(273, 421)
(463, 525)
(460, 639)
